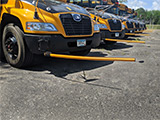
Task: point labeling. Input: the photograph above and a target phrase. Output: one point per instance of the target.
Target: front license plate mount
(81, 43)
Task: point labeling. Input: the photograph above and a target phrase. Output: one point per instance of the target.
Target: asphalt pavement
(59, 89)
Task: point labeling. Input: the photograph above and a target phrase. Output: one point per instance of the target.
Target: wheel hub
(12, 47)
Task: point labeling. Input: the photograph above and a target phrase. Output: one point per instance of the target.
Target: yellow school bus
(30, 27)
(110, 2)
(123, 12)
(139, 26)
(110, 26)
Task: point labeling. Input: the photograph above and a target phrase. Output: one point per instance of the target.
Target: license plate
(81, 43)
(117, 34)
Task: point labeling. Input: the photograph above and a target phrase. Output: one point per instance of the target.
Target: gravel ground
(62, 89)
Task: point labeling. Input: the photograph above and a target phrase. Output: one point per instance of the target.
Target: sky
(146, 4)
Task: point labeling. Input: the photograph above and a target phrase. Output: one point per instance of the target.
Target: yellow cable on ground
(130, 34)
(139, 31)
(136, 34)
(150, 31)
(128, 41)
(88, 57)
(142, 34)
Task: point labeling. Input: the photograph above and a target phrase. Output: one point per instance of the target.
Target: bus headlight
(35, 26)
(96, 27)
(102, 26)
(123, 26)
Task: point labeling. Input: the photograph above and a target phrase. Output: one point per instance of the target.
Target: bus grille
(115, 26)
(130, 24)
(137, 25)
(72, 27)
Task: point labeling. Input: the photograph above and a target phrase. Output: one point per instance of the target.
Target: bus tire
(15, 50)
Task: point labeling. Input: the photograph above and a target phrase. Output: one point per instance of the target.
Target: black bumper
(38, 44)
(108, 34)
(130, 31)
(137, 29)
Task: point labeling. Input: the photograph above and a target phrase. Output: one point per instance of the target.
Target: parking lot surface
(59, 89)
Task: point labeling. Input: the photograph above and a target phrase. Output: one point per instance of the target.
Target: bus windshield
(113, 10)
(86, 3)
(122, 13)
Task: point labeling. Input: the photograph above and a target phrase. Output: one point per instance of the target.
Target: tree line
(151, 17)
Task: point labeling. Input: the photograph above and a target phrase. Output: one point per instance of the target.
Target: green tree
(141, 13)
(121, 1)
(153, 16)
(156, 16)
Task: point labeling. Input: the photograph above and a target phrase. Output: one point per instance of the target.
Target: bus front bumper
(38, 44)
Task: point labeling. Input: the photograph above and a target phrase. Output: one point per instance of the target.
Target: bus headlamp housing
(96, 27)
(123, 26)
(36, 26)
(102, 26)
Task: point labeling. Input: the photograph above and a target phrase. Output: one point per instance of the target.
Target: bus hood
(57, 7)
